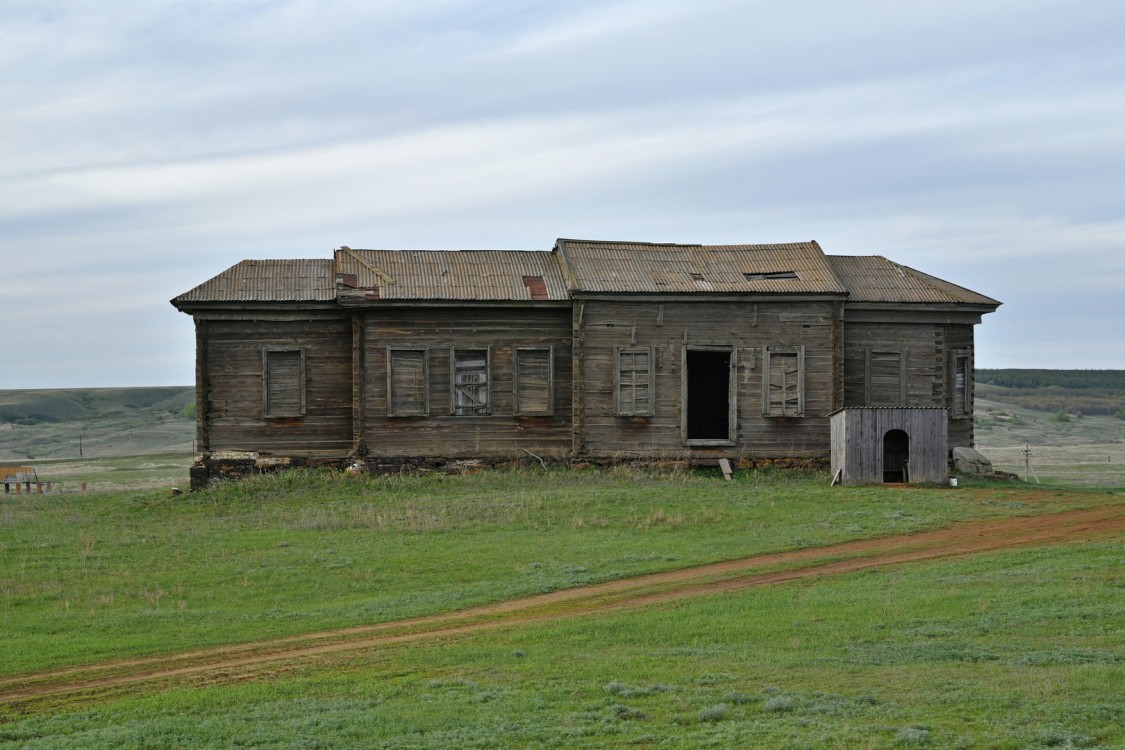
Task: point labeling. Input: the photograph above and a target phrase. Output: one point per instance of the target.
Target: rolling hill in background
(96, 422)
(1063, 391)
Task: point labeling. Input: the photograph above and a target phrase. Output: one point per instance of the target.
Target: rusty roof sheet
(469, 275)
(267, 281)
(873, 278)
(18, 474)
(637, 267)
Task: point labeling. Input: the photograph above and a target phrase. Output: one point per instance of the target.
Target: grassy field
(1086, 450)
(1014, 649)
(1023, 648)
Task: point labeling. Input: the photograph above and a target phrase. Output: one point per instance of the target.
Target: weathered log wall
(231, 397)
(747, 328)
(438, 331)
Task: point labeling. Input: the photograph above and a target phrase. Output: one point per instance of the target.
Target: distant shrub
(1120, 414)
(188, 412)
(912, 736)
(779, 704)
(1060, 416)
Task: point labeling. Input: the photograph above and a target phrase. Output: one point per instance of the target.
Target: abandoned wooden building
(592, 350)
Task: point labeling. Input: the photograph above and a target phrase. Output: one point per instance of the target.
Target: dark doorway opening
(896, 454)
(708, 395)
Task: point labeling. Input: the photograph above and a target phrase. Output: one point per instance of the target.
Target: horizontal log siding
(922, 345)
(748, 328)
(234, 382)
(498, 435)
(959, 338)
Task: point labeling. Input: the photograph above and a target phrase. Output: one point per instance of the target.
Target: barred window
(470, 382)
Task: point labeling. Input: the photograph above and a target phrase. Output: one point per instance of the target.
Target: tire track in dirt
(731, 575)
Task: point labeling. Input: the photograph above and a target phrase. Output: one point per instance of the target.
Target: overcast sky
(147, 146)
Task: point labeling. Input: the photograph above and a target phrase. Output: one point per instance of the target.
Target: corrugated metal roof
(18, 474)
(267, 281)
(471, 275)
(873, 278)
(633, 267)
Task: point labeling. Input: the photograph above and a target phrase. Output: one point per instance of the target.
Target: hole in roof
(770, 276)
(697, 277)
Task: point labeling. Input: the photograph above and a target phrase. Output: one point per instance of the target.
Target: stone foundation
(207, 470)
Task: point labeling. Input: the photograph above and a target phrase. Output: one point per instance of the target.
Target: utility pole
(1028, 471)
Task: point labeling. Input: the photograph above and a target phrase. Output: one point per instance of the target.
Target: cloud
(145, 148)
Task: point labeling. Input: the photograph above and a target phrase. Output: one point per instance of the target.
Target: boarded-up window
(469, 378)
(962, 390)
(885, 381)
(283, 382)
(633, 382)
(784, 382)
(406, 383)
(534, 380)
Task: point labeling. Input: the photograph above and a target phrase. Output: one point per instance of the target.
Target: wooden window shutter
(283, 382)
(886, 381)
(406, 377)
(534, 380)
(784, 385)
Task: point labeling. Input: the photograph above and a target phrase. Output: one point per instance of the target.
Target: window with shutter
(885, 378)
(784, 382)
(406, 383)
(534, 381)
(283, 382)
(962, 386)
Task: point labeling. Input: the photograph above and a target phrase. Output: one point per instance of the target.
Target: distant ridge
(95, 422)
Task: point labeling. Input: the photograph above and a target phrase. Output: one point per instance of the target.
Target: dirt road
(248, 660)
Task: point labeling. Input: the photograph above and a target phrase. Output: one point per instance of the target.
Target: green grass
(101, 576)
(1020, 649)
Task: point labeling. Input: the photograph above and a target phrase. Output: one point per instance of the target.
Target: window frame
(453, 350)
(425, 406)
(867, 379)
(961, 408)
(268, 411)
(732, 396)
(618, 383)
(519, 407)
(768, 353)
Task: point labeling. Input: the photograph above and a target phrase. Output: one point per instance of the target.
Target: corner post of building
(202, 386)
(837, 355)
(359, 391)
(578, 378)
